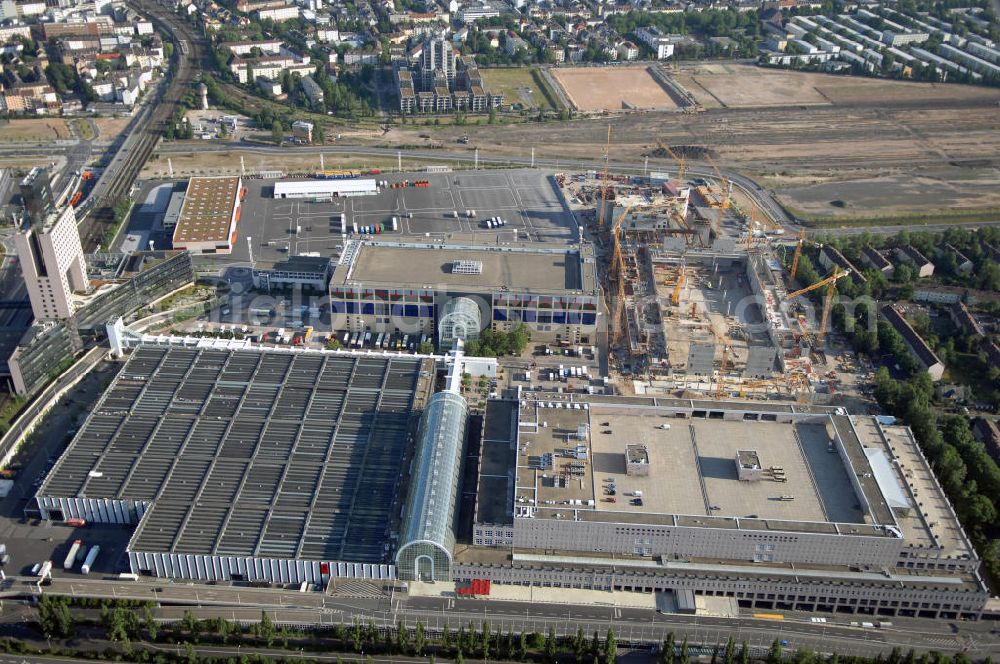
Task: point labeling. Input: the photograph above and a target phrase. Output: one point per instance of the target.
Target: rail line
(147, 132)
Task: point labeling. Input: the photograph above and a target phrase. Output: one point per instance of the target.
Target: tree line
(968, 475)
(125, 627)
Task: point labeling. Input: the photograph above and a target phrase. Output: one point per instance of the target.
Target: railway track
(139, 145)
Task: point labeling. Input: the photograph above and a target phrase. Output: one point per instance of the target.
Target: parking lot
(31, 541)
(528, 200)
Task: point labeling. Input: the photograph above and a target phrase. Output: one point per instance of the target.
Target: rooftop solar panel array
(252, 452)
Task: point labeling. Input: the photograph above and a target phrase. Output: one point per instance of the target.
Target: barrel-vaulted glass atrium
(428, 533)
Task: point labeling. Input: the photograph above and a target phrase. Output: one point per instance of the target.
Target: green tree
(149, 621)
(419, 639)
(54, 617)
(904, 273)
(223, 629)
(485, 638)
(550, 644)
(579, 645)
(744, 653)
(685, 654)
(730, 655)
(610, 648)
(118, 623)
(278, 134)
(265, 629)
(774, 654)
(669, 650)
(356, 637)
(459, 658)
(446, 639)
(402, 638)
(189, 622)
(595, 647)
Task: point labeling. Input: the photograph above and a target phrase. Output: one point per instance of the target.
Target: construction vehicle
(830, 282)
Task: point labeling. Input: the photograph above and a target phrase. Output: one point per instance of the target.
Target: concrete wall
(270, 570)
(776, 591)
(204, 567)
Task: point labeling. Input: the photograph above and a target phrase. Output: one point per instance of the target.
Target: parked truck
(71, 556)
(89, 560)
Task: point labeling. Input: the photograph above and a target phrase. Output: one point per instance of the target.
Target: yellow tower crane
(727, 345)
(831, 283)
(681, 161)
(604, 181)
(723, 182)
(618, 323)
(675, 297)
(798, 253)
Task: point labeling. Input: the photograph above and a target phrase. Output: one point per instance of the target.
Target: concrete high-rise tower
(49, 249)
(36, 192)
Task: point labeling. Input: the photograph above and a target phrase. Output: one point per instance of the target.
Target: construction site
(697, 284)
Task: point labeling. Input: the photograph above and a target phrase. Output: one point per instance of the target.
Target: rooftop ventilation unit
(467, 267)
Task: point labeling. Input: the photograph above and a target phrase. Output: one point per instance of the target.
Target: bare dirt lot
(612, 88)
(109, 128)
(735, 86)
(730, 85)
(940, 189)
(936, 140)
(33, 131)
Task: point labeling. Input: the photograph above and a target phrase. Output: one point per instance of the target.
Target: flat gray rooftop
(693, 468)
(806, 485)
(524, 268)
(499, 454)
(252, 452)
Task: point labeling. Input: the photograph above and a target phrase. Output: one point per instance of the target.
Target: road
(631, 624)
(765, 201)
(136, 143)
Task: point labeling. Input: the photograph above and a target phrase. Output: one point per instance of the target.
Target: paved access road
(765, 201)
(761, 196)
